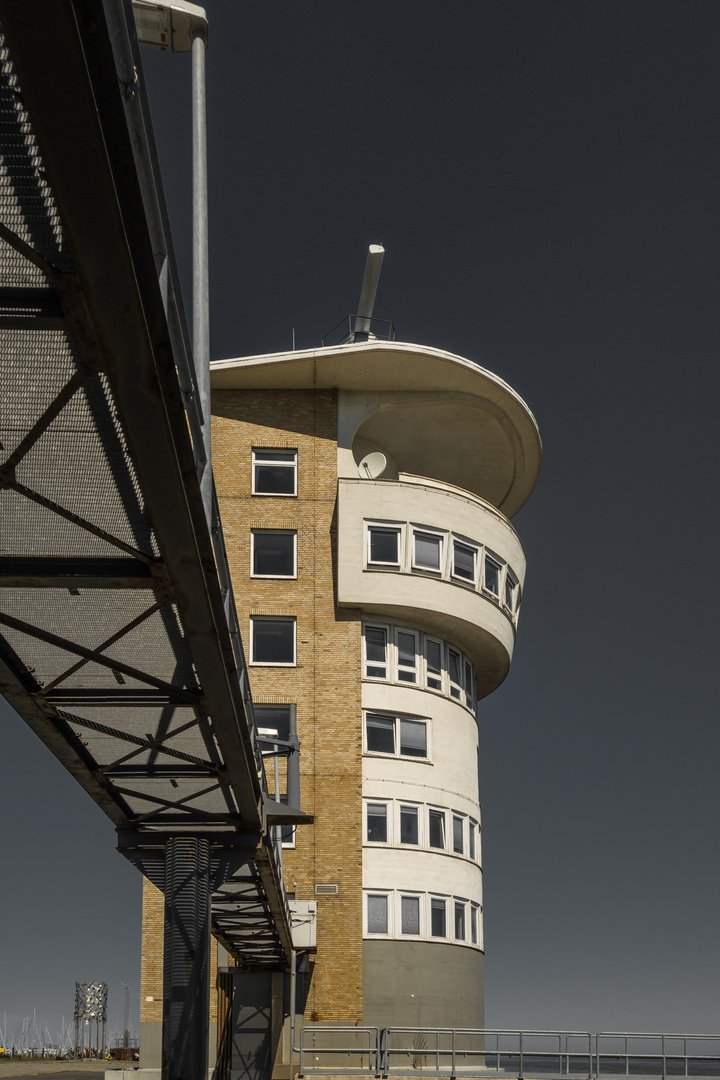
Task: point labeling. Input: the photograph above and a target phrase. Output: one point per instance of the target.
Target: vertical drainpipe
(201, 290)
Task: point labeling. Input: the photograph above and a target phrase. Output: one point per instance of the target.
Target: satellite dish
(372, 465)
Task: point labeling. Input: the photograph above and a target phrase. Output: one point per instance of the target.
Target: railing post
(520, 1071)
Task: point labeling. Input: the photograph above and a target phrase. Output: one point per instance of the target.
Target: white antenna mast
(367, 293)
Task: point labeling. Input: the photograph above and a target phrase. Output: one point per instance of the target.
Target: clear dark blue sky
(545, 177)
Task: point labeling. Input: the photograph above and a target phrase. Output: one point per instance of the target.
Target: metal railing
(451, 1052)
(346, 332)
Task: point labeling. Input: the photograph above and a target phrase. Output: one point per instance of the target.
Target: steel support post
(186, 966)
(201, 287)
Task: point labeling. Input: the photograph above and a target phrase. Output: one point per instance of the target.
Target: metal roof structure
(119, 643)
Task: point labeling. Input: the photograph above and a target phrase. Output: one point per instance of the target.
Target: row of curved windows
(424, 549)
(404, 823)
(401, 655)
(392, 913)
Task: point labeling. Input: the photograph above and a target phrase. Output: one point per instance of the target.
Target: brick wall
(325, 683)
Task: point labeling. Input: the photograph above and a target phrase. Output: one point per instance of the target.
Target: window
(463, 561)
(492, 576)
(380, 731)
(273, 553)
(455, 672)
(375, 652)
(280, 718)
(410, 914)
(437, 829)
(377, 914)
(383, 546)
(274, 472)
(272, 640)
(409, 825)
(459, 920)
(474, 924)
(427, 551)
(472, 826)
(433, 662)
(396, 735)
(377, 825)
(437, 918)
(510, 587)
(406, 656)
(469, 688)
(458, 845)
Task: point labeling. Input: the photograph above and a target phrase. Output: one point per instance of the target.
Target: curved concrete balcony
(390, 532)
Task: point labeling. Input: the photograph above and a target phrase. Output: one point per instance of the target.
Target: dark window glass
(474, 925)
(437, 918)
(376, 652)
(273, 641)
(458, 835)
(408, 824)
(427, 551)
(380, 734)
(433, 657)
(406, 656)
(275, 472)
(278, 717)
(471, 839)
(492, 577)
(274, 554)
(377, 822)
(468, 684)
(377, 914)
(459, 921)
(455, 668)
(413, 741)
(437, 829)
(463, 561)
(384, 545)
(410, 914)
(509, 591)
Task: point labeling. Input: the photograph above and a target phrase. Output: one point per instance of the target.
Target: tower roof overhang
(481, 422)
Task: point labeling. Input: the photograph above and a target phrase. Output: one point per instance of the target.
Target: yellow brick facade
(325, 683)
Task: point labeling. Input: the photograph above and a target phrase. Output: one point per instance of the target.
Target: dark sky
(545, 177)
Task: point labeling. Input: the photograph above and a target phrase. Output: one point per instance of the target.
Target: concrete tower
(366, 493)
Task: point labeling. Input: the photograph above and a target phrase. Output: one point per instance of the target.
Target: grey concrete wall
(150, 1044)
(422, 984)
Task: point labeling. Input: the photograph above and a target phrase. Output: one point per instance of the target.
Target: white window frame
(255, 619)
(475, 925)
(496, 561)
(460, 902)
(512, 581)
(477, 558)
(442, 554)
(273, 532)
(388, 894)
(443, 666)
(397, 718)
(460, 698)
(397, 630)
(386, 526)
(387, 630)
(389, 816)
(408, 804)
(463, 838)
(437, 937)
(407, 894)
(472, 852)
(282, 464)
(443, 811)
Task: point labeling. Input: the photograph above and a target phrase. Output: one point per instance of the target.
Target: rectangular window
(510, 586)
(455, 671)
(459, 920)
(433, 663)
(281, 718)
(375, 652)
(437, 918)
(409, 825)
(474, 924)
(458, 835)
(469, 687)
(437, 829)
(472, 826)
(492, 576)
(273, 553)
(427, 551)
(413, 738)
(410, 914)
(380, 734)
(463, 561)
(377, 825)
(383, 546)
(274, 472)
(377, 909)
(406, 656)
(272, 640)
